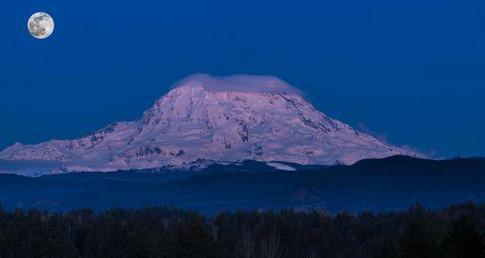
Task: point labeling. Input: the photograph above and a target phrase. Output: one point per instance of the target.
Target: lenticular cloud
(238, 83)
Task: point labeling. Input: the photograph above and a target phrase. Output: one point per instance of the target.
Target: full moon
(40, 25)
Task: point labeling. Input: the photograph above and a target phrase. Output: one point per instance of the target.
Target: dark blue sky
(411, 71)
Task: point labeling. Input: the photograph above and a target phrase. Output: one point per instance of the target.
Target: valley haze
(206, 120)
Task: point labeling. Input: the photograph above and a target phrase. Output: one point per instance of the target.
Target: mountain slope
(203, 120)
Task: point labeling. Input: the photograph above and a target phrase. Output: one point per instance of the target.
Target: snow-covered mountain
(206, 119)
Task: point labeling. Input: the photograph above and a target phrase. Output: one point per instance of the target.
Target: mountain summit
(205, 120)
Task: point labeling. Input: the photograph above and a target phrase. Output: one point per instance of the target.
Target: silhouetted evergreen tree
(464, 241)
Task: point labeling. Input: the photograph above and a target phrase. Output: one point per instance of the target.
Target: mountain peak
(237, 83)
(206, 119)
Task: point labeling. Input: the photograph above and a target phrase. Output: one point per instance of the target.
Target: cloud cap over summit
(238, 83)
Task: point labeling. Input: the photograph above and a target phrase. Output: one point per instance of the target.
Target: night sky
(412, 72)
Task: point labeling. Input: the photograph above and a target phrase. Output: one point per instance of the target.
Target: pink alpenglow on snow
(204, 120)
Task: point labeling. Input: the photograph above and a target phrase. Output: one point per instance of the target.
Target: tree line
(457, 232)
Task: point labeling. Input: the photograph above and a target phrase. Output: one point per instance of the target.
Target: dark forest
(457, 231)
